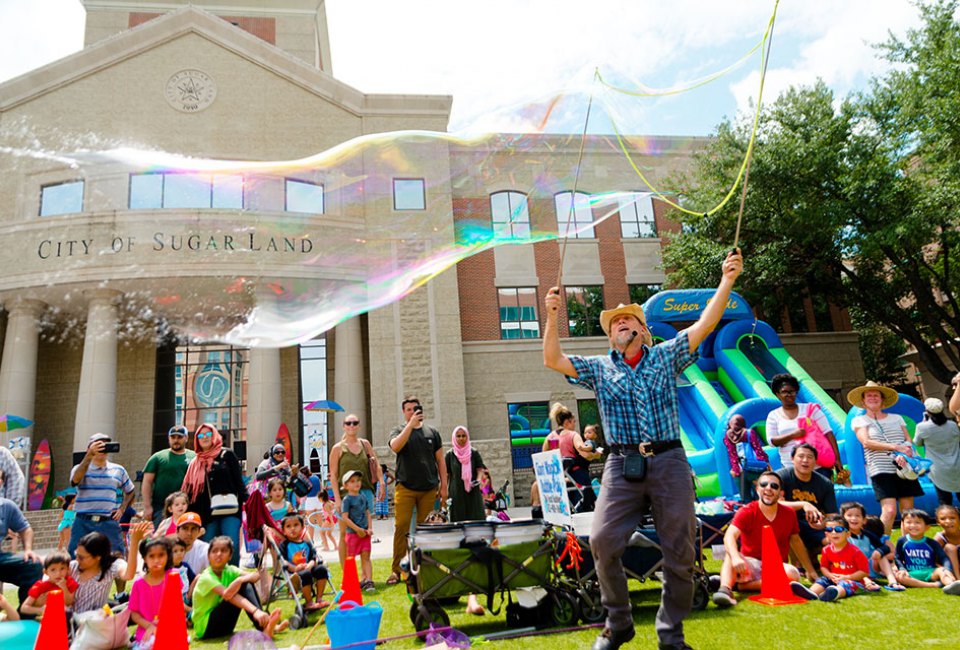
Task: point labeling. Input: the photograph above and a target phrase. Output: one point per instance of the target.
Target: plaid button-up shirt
(637, 405)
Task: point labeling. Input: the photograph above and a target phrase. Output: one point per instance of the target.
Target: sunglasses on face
(769, 484)
(834, 529)
(205, 434)
(351, 423)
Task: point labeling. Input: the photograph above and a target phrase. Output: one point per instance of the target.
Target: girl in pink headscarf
(463, 483)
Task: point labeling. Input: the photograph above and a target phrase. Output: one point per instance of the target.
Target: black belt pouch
(634, 467)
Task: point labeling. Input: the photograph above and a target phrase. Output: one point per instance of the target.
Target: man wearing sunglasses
(163, 474)
(647, 469)
(743, 542)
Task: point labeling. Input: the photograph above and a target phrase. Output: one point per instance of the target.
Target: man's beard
(623, 339)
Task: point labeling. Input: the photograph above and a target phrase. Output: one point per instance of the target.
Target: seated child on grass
(187, 576)
(56, 569)
(223, 591)
(147, 590)
(300, 558)
(866, 533)
(948, 518)
(844, 570)
(919, 558)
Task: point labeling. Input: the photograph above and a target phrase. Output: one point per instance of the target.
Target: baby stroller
(284, 584)
(498, 503)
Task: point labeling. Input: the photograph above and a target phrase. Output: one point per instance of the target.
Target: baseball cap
(346, 477)
(178, 430)
(99, 436)
(189, 518)
(933, 405)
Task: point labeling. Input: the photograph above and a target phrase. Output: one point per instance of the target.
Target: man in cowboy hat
(647, 469)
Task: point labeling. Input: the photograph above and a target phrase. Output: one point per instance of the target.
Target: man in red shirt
(741, 564)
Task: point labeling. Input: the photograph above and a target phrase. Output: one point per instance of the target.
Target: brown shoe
(393, 579)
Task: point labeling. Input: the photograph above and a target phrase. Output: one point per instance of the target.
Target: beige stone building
(101, 261)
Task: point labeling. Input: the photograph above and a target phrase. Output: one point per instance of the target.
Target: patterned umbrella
(327, 405)
(10, 422)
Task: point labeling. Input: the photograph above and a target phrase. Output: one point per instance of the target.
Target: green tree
(853, 202)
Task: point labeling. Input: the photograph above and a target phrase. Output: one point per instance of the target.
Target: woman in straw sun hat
(882, 434)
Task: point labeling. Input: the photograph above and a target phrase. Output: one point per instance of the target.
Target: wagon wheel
(591, 609)
(296, 622)
(564, 608)
(701, 595)
(427, 614)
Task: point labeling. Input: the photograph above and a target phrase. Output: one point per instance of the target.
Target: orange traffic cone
(172, 620)
(774, 586)
(350, 586)
(53, 626)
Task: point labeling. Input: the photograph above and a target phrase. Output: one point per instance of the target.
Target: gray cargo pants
(668, 493)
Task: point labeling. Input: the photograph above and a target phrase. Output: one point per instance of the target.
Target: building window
(640, 293)
(304, 197)
(569, 224)
(518, 314)
(636, 217)
(61, 198)
(409, 194)
(176, 190)
(584, 305)
(313, 386)
(211, 388)
(509, 213)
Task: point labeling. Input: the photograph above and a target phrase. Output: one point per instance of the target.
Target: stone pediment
(190, 20)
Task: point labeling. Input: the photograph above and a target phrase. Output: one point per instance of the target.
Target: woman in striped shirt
(95, 568)
(882, 434)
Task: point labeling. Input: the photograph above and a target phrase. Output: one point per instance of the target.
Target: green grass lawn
(918, 618)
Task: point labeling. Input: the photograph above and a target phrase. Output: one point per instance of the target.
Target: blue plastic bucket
(351, 623)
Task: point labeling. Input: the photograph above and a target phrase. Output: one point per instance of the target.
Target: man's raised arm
(553, 356)
(732, 267)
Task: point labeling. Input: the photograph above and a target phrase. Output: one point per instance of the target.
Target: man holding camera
(98, 481)
(647, 470)
(420, 470)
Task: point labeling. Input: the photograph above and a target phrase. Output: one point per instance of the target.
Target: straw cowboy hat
(890, 396)
(633, 309)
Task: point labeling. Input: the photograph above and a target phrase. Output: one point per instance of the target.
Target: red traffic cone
(350, 586)
(774, 585)
(53, 626)
(172, 620)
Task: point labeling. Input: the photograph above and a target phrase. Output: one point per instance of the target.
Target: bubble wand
(576, 182)
(746, 175)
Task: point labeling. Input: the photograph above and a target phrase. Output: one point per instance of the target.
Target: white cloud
(841, 51)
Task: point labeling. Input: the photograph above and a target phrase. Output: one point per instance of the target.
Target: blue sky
(495, 55)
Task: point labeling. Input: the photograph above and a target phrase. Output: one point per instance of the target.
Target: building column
(263, 404)
(97, 397)
(18, 372)
(349, 383)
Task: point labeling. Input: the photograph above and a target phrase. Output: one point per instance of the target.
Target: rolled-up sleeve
(587, 369)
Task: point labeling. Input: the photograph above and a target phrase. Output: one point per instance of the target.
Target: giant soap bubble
(271, 253)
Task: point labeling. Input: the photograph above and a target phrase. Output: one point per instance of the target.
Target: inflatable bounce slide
(733, 376)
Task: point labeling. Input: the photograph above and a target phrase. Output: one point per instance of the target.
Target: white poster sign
(548, 466)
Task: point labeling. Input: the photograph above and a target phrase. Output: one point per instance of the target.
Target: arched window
(509, 214)
(575, 224)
